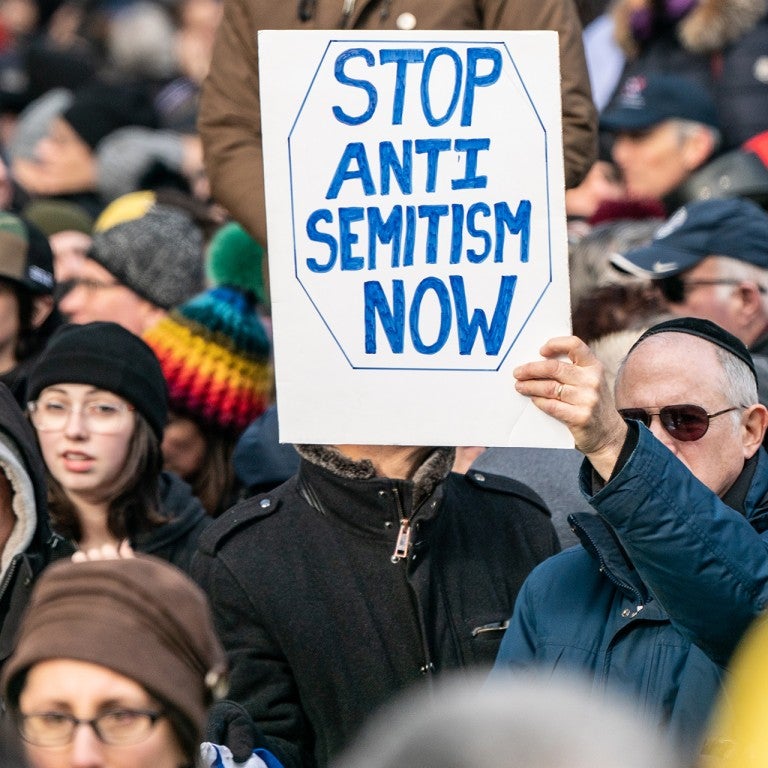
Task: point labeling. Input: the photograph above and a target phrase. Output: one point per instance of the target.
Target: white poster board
(416, 225)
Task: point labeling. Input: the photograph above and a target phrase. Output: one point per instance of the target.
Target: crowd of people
(180, 590)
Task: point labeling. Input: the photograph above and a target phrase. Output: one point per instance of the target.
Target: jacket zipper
(623, 585)
(401, 552)
(14, 564)
(403, 541)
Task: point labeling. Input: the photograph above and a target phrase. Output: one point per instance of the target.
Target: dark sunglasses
(683, 422)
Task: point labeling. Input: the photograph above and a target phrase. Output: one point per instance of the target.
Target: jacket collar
(600, 541)
(748, 495)
(350, 491)
(754, 505)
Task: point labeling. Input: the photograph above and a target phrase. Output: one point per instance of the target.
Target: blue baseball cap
(736, 227)
(646, 100)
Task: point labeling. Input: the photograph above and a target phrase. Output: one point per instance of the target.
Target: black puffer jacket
(320, 624)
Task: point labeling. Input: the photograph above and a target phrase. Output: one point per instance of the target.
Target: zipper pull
(403, 544)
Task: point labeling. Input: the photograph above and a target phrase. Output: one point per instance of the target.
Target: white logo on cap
(632, 94)
(672, 224)
(39, 275)
(664, 266)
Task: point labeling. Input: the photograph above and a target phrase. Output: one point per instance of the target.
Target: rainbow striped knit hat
(215, 353)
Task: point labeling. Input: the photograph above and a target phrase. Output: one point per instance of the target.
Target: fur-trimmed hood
(709, 26)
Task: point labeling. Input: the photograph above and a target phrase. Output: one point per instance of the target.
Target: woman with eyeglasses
(98, 403)
(115, 666)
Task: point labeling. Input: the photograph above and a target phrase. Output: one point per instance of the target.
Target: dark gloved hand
(231, 726)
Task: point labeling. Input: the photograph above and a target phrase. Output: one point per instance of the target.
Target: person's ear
(754, 422)
(697, 148)
(42, 306)
(750, 302)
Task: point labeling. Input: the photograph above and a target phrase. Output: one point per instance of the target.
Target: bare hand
(576, 394)
(104, 552)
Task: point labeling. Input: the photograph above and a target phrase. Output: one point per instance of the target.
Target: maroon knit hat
(140, 617)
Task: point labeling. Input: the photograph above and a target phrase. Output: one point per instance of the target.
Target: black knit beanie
(98, 109)
(107, 356)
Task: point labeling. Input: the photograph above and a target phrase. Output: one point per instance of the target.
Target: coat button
(406, 21)
(265, 503)
(760, 69)
(480, 478)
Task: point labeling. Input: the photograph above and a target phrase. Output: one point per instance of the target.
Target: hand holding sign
(576, 394)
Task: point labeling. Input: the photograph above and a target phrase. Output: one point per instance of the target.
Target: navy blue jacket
(668, 578)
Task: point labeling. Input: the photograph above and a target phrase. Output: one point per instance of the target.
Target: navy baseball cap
(735, 227)
(646, 100)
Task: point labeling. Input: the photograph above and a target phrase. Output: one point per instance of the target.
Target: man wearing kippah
(674, 565)
(710, 260)
(145, 258)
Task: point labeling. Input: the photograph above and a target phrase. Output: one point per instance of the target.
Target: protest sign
(417, 247)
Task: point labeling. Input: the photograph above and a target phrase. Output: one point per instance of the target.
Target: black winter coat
(322, 627)
(175, 540)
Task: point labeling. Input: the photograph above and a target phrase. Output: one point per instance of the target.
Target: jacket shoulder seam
(237, 518)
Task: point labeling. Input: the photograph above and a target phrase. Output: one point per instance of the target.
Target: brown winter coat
(229, 109)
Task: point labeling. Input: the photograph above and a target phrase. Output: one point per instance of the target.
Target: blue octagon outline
(502, 45)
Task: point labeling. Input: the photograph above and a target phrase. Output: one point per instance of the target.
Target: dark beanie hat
(98, 109)
(704, 329)
(107, 356)
(140, 617)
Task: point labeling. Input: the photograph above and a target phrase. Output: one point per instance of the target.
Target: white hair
(514, 720)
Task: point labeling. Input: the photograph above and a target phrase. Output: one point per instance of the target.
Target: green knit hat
(235, 260)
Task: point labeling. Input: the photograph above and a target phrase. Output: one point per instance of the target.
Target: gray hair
(514, 720)
(141, 40)
(589, 257)
(687, 128)
(739, 384)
